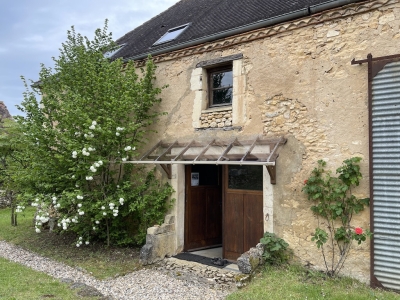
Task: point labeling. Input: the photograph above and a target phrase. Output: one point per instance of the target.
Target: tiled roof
(206, 17)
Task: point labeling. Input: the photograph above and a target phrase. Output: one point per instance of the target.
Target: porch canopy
(255, 151)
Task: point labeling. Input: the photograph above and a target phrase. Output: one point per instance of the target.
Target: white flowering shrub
(84, 120)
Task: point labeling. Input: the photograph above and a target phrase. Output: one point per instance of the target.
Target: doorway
(223, 206)
(203, 207)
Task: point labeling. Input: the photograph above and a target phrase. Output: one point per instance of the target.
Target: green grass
(296, 282)
(100, 261)
(20, 283)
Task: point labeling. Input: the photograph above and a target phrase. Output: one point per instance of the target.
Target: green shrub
(276, 250)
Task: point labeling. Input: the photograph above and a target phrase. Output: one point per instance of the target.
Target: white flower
(93, 169)
(117, 186)
(58, 205)
(121, 200)
(104, 213)
(96, 165)
(74, 154)
(79, 204)
(91, 149)
(79, 197)
(127, 148)
(54, 198)
(117, 133)
(37, 230)
(81, 213)
(115, 215)
(94, 228)
(134, 148)
(87, 242)
(77, 185)
(37, 199)
(78, 245)
(124, 159)
(100, 162)
(92, 127)
(85, 135)
(77, 133)
(34, 204)
(89, 178)
(102, 208)
(111, 205)
(97, 222)
(73, 176)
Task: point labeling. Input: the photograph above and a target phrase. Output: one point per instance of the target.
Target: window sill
(216, 109)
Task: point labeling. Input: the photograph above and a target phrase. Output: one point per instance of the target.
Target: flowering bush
(335, 204)
(90, 120)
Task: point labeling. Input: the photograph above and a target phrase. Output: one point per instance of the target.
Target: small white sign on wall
(195, 179)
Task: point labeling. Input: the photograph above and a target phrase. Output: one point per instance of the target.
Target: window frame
(211, 89)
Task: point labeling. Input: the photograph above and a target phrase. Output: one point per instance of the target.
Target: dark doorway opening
(203, 207)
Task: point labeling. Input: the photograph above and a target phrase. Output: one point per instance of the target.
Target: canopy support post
(272, 173)
(167, 169)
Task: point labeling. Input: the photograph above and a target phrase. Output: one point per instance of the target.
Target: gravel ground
(142, 284)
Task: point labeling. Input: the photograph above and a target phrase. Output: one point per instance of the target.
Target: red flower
(358, 230)
(305, 181)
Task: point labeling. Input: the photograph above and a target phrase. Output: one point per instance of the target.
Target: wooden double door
(224, 205)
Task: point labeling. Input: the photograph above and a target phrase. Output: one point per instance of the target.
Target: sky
(31, 33)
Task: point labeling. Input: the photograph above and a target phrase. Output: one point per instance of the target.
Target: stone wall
(296, 80)
(216, 119)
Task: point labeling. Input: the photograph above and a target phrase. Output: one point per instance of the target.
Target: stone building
(253, 80)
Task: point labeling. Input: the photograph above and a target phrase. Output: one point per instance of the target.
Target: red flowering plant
(334, 205)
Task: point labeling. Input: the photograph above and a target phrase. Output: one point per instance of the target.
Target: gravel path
(142, 284)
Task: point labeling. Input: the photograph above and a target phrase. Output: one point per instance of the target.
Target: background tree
(12, 159)
(92, 117)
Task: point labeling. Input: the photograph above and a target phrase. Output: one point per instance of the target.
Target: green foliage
(334, 202)
(275, 249)
(84, 120)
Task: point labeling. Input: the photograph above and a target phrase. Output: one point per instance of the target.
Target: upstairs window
(220, 86)
(171, 34)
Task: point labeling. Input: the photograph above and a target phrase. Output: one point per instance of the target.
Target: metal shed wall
(386, 175)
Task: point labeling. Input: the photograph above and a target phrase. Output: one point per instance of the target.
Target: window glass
(221, 87)
(171, 34)
(245, 177)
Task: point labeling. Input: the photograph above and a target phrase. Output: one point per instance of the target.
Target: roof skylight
(171, 34)
(109, 54)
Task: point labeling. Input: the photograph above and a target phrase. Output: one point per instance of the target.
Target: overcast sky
(31, 32)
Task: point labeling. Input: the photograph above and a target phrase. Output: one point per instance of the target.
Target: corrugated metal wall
(386, 174)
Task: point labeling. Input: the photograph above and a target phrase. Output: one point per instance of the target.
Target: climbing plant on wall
(334, 206)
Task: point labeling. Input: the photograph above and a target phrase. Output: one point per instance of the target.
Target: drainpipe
(256, 25)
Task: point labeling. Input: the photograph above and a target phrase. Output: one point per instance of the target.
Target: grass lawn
(20, 283)
(296, 282)
(100, 261)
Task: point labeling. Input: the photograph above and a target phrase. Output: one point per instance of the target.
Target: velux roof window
(110, 53)
(171, 34)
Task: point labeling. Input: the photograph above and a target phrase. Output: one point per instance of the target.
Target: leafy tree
(92, 117)
(11, 160)
(335, 203)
